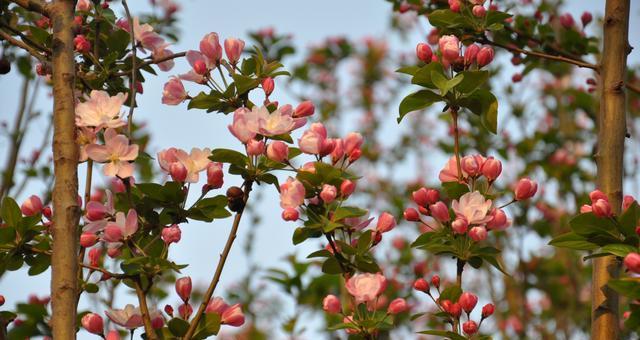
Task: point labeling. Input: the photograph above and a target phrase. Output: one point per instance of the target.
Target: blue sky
(309, 22)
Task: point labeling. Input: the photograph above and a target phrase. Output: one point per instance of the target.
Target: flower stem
(456, 142)
(144, 309)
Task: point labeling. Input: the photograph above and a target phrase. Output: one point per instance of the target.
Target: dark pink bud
(268, 86)
(397, 306)
(233, 48)
(516, 78)
(485, 56)
(81, 44)
(411, 215)
(200, 67)
(479, 11)
(525, 189)
(88, 239)
(171, 234)
(597, 195)
(215, 175)
(185, 310)
(304, 109)
(499, 221)
(566, 20)
(492, 168)
(290, 214)
(347, 188)
(95, 211)
(478, 233)
(439, 211)
(183, 288)
(627, 201)
(331, 304)
(386, 222)
(328, 193)
(424, 52)
(459, 225)
(632, 262)
(470, 327)
(169, 310)
(31, 206)
(468, 301)
(93, 323)
(602, 208)
(178, 172)
(586, 18)
(435, 281)
(488, 310)
(278, 151)
(421, 285)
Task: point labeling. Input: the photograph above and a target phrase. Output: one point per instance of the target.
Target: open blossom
(366, 287)
(473, 207)
(116, 153)
(160, 53)
(131, 318)
(144, 34)
(85, 136)
(122, 228)
(229, 315)
(211, 48)
(100, 110)
(450, 171)
(96, 214)
(195, 162)
(291, 193)
(248, 123)
(173, 92)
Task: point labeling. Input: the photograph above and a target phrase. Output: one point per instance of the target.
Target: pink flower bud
(200, 67)
(347, 188)
(93, 323)
(449, 47)
(435, 281)
(485, 56)
(173, 92)
(233, 316)
(586, 18)
(632, 262)
(169, 310)
(597, 195)
(488, 310)
(491, 168)
(355, 155)
(278, 151)
(468, 301)
(328, 193)
(602, 208)
(478, 233)
(112, 233)
(233, 48)
(516, 78)
(338, 151)
(440, 212)
(268, 86)
(171, 234)
(499, 221)
(479, 11)
(397, 306)
(290, 214)
(525, 189)
(420, 197)
(183, 288)
(470, 54)
(411, 215)
(352, 142)
(185, 310)
(331, 304)
(210, 47)
(455, 310)
(255, 148)
(327, 146)
(459, 226)
(31, 206)
(178, 172)
(471, 165)
(81, 44)
(113, 335)
(627, 201)
(94, 257)
(585, 208)
(386, 222)
(566, 20)
(424, 53)
(454, 5)
(421, 285)
(88, 239)
(215, 175)
(304, 109)
(433, 36)
(470, 327)
(47, 212)
(95, 211)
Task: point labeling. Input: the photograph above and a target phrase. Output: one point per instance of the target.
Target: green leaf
(588, 224)
(331, 266)
(629, 220)
(228, 156)
(454, 189)
(348, 212)
(364, 242)
(417, 101)
(10, 212)
(410, 70)
(484, 104)
(572, 241)
(320, 253)
(209, 325)
(244, 83)
(422, 77)
(444, 84)
(451, 293)
(629, 287)
(91, 288)
(39, 264)
(205, 101)
(178, 327)
(619, 249)
(445, 18)
(472, 81)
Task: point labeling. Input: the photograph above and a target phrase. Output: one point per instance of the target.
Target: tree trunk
(64, 284)
(609, 157)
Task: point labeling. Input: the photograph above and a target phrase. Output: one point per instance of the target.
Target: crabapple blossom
(468, 301)
(81, 44)
(440, 211)
(597, 195)
(171, 234)
(183, 288)
(100, 110)
(632, 262)
(366, 287)
(229, 315)
(397, 306)
(485, 56)
(470, 327)
(470, 54)
(331, 304)
(491, 168)
(122, 228)
(449, 47)
(267, 86)
(116, 153)
(130, 317)
(255, 148)
(215, 175)
(424, 52)
(211, 48)
(347, 187)
(525, 189)
(278, 151)
(386, 222)
(291, 193)
(233, 48)
(173, 92)
(290, 214)
(304, 109)
(31, 206)
(459, 225)
(566, 20)
(88, 239)
(178, 172)
(473, 207)
(328, 193)
(586, 18)
(487, 310)
(421, 285)
(93, 323)
(194, 162)
(411, 215)
(450, 171)
(479, 11)
(602, 208)
(499, 220)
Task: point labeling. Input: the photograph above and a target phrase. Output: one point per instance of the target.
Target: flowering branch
(223, 258)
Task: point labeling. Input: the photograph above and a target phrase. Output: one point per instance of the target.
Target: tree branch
(18, 43)
(34, 6)
(633, 87)
(223, 258)
(151, 62)
(25, 38)
(146, 317)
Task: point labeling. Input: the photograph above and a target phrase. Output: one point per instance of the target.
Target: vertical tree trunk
(609, 157)
(64, 264)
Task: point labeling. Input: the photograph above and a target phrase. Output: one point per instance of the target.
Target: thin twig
(18, 43)
(151, 62)
(134, 69)
(633, 87)
(25, 38)
(223, 258)
(34, 6)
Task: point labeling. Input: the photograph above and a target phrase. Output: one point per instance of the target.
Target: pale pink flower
(130, 317)
(173, 92)
(291, 193)
(211, 48)
(244, 126)
(85, 136)
(366, 287)
(144, 34)
(94, 226)
(195, 162)
(116, 153)
(473, 207)
(122, 228)
(233, 48)
(450, 171)
(100, 110)
(449, 47)
(162, 53)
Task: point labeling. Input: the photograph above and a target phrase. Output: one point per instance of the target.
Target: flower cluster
(450, 54)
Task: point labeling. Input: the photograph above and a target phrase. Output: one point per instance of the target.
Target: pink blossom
(632, 262)
(171, 234)
(183, 288)
(215, 175)
(122, 228)
(424, 52)
(331, 304)
(211, 48)
(311, 142)
(244, 127)
(233, 316)
(473, 207)
(525, 189)
(145, 35)
(459, 225)
(449, 47)
(478, 233)
(158, 54)
(278, 151)
(130, 317)
(291, 193)
(31, 206)
(328, 193)
(100, 110)
(304, 109)
(450, 171)
(93, 323)
(468, 301)
(386, 222)
(85, 136)
(366, 287)
(411, 215)
(347, 187)
(255, 147)
(485, 56)
(173, 92)
(470, 327)
(194, 162)
(233, 48)
(83, 5)
(290, 214)
(397, 306)
(116, 153)
(440, 211)
(491, 168)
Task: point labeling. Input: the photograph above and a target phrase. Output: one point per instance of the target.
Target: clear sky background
(309, 22)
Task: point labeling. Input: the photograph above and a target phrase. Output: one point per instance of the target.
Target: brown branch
(104, 271)
(151, 62)
(611, 126)
(144, 309)
(223, 258)
(578, 63)
(19, 43)
(25, 38)
(34, 6)
(64, 264)
(633, 87)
